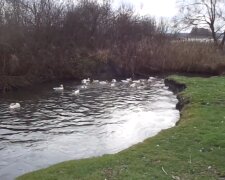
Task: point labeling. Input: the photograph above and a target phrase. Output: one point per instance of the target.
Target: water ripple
(52, 127)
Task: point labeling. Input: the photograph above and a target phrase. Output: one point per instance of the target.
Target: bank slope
(194, 149)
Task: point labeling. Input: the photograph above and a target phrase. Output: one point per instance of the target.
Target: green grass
(195, 149)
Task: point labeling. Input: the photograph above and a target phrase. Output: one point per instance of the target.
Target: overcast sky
(158, 8)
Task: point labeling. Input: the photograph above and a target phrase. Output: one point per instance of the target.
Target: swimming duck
(129, 79)
(83, 87)
(84, 81)
(151, 78)
(14, 105)
(88, 80)
(76, 92)
(102, 82)
(61, 88)
(137, 81)
(143, 80)
(125, 81)
(95, 81)
(114, 81)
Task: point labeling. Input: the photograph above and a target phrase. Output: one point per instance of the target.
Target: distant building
(200, 33)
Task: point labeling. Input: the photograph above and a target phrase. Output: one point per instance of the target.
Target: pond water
(52, 127)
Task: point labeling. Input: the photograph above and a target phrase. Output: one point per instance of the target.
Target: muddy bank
(177, 87)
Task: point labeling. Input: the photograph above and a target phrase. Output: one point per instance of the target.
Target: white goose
(61, 88)
(14, 106)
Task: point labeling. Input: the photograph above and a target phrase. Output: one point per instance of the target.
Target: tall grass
(194, 57)
(168, 56)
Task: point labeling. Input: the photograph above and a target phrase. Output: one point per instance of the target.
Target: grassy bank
(195, 149)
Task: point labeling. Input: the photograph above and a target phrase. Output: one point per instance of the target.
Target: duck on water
(14, 106)
(61, 88)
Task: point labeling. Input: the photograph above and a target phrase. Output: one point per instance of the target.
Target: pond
(52, 127)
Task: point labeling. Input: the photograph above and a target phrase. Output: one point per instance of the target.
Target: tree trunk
(223, 41)
(214, 35)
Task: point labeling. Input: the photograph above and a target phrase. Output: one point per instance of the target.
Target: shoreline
(22, 83)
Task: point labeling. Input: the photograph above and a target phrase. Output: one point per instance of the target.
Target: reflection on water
(52, 127)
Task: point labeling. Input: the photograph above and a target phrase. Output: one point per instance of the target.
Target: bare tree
(203, 13)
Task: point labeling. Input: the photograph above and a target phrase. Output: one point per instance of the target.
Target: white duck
(83, 87)
(125, 81)
(140, 87)
(113, 85)
(103, 82)
(14, 106)
(114, 81)
(129, 79)
(88, 80)
(133, 85)
(137, 81)
(84, 81)
(151, 78)
(61, 88)
(76, 92)
(95, 81)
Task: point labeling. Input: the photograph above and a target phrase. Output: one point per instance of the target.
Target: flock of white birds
(86, 82)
